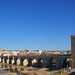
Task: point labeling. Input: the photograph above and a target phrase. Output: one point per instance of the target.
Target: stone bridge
(49, 61)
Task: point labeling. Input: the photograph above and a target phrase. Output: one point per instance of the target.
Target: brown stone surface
(73, 45)
(73, 50)
(1, 73)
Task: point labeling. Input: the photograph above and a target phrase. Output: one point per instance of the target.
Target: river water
(14, 69)
(6, 71)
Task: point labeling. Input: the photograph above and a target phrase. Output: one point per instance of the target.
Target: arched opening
(52, 63)
(30, 62)
(6, 60)
(1, 60)
(25, 62)
(22, 61)
(66, 63)
(10, 60)
(18, 62)
(15, 61)
(39, 62)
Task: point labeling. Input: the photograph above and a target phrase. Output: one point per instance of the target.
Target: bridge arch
(39, 62)
(6, 60)
(22, 59)
(15, 60)
(1, 60)
(10, 60)
(25, 62)
(52, 63)
(66, 63)
(30, 62)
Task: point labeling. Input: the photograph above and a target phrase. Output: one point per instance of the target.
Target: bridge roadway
(38, 61)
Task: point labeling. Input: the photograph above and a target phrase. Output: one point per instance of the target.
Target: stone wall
(73, 50)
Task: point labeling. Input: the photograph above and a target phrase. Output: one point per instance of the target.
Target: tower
(0, 51)
(73, 50)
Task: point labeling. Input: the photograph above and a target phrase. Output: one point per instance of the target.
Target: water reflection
(15, 69)
(11, 68)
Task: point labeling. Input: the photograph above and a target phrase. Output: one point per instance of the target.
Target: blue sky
(36, 24)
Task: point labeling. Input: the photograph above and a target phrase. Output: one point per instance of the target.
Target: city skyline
(32, 50)
(37, 25)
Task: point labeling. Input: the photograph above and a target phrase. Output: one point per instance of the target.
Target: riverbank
(1, 73)
(15, 69)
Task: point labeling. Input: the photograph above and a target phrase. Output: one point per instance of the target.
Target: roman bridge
(49, 61)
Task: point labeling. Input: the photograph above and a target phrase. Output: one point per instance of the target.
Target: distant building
(57, 52)
(15, 53)
(6, 54)
(69, 52)
(40, 51)
(52, 53)
(22, 53)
